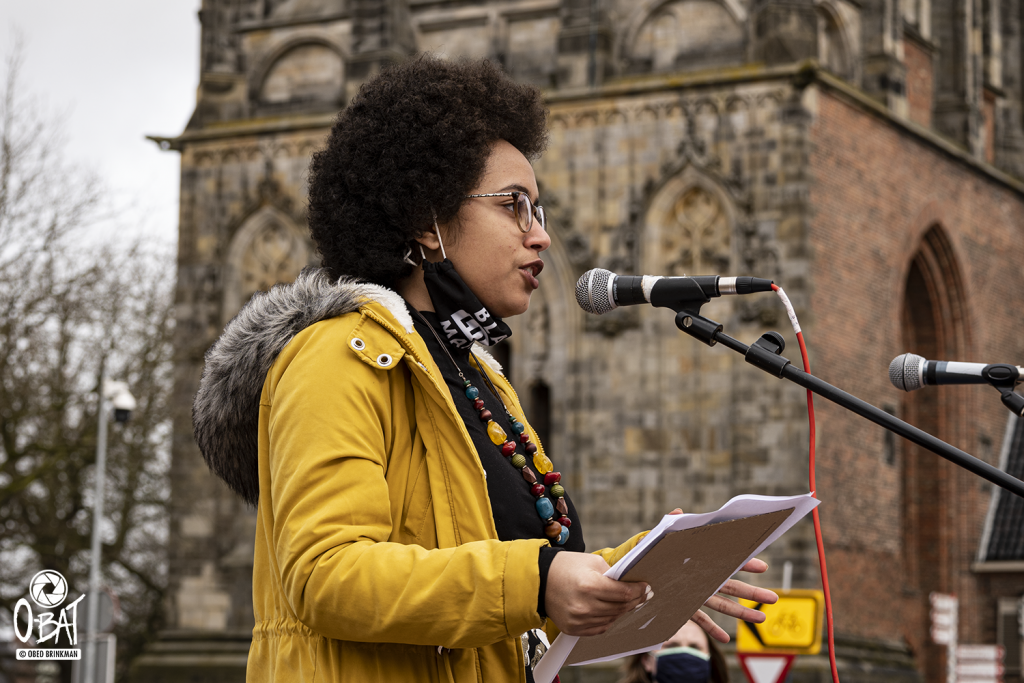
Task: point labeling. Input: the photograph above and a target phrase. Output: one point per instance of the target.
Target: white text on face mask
(474, 328)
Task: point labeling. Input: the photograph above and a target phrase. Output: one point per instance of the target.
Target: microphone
(909, 372)
(599, 291)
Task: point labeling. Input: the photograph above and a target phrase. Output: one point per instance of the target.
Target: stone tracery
(266, 249)
(700, 240)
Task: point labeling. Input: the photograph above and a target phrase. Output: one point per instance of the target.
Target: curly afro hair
(415, 138)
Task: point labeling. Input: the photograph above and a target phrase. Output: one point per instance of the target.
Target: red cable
(814, 514)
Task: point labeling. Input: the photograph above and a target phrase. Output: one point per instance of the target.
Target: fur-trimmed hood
(225, 412)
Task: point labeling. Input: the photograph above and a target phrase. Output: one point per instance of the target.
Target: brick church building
(867, 155)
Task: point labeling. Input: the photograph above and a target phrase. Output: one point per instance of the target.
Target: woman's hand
(581, 600)
(737, 589)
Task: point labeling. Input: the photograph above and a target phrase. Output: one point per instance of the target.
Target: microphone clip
(681, 294)
(1013, 401)
(685, 297)
(1001, 376)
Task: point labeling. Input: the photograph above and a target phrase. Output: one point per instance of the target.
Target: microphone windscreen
(594, 292)
(905, 372)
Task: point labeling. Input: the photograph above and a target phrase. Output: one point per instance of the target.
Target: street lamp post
(112, 395)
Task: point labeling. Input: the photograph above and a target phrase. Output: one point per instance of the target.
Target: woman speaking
(410, 526)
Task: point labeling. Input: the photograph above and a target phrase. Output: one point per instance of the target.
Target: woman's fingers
(581, 600)
(600, 609)
(740, 589)
(617, 592)
(734, 609)
(755, 566)
(710, 627)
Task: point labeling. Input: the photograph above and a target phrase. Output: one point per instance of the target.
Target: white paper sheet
(746, 505)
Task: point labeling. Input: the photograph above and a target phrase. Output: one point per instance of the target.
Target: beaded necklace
(557, 530)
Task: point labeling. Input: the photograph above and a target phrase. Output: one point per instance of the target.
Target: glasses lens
(524, 212)
(539, 210)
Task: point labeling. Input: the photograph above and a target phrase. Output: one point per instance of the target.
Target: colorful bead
(496, 433)
(485, 415)
(563, 537)
(537, 489)
(472, 392)
(557, 491)
(519, 461)
(542, 463)
(508, 448)
(545, 509)
(524, 438)
(552, 478)
(553, 530)
(529, 476)
(478, 404)
(565, 521)
(518, 427)
(562, 507)
(531, 448)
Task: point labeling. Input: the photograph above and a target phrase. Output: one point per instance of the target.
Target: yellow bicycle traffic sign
(792, 625)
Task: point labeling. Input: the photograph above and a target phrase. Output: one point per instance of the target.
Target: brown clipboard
(684, 569)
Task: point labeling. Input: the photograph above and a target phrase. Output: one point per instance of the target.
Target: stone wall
(645, 418)
(242, 229)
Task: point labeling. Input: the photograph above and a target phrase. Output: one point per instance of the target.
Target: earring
(407, 256)
(438, 231)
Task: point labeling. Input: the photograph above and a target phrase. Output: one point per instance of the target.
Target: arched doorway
(934, 326)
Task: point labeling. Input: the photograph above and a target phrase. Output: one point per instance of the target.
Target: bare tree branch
(69, 307)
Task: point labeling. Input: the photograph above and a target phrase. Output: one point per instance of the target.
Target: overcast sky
(121, 69)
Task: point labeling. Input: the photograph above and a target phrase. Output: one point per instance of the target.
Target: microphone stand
(766, 352)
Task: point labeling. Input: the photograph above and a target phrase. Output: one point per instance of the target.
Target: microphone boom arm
(766, 352)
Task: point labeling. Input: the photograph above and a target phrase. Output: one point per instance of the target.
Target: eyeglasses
(522, 207)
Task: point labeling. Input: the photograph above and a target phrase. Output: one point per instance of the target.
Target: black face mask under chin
(464, 319)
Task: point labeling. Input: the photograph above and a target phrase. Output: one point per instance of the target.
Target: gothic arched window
(303, 74)
(266, 249)
(686, 35)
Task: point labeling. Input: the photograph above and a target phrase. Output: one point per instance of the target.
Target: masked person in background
(687, 657)
(410, 526)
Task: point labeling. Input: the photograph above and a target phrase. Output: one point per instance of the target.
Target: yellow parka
(376, 554)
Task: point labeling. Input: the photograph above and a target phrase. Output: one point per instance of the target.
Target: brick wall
(877, 191)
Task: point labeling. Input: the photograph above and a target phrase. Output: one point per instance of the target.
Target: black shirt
(512, 504)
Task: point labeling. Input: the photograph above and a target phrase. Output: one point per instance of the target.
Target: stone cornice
(640, 85)
(1006, 567)
(245, 128)
(802, 74)
(267, 24)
